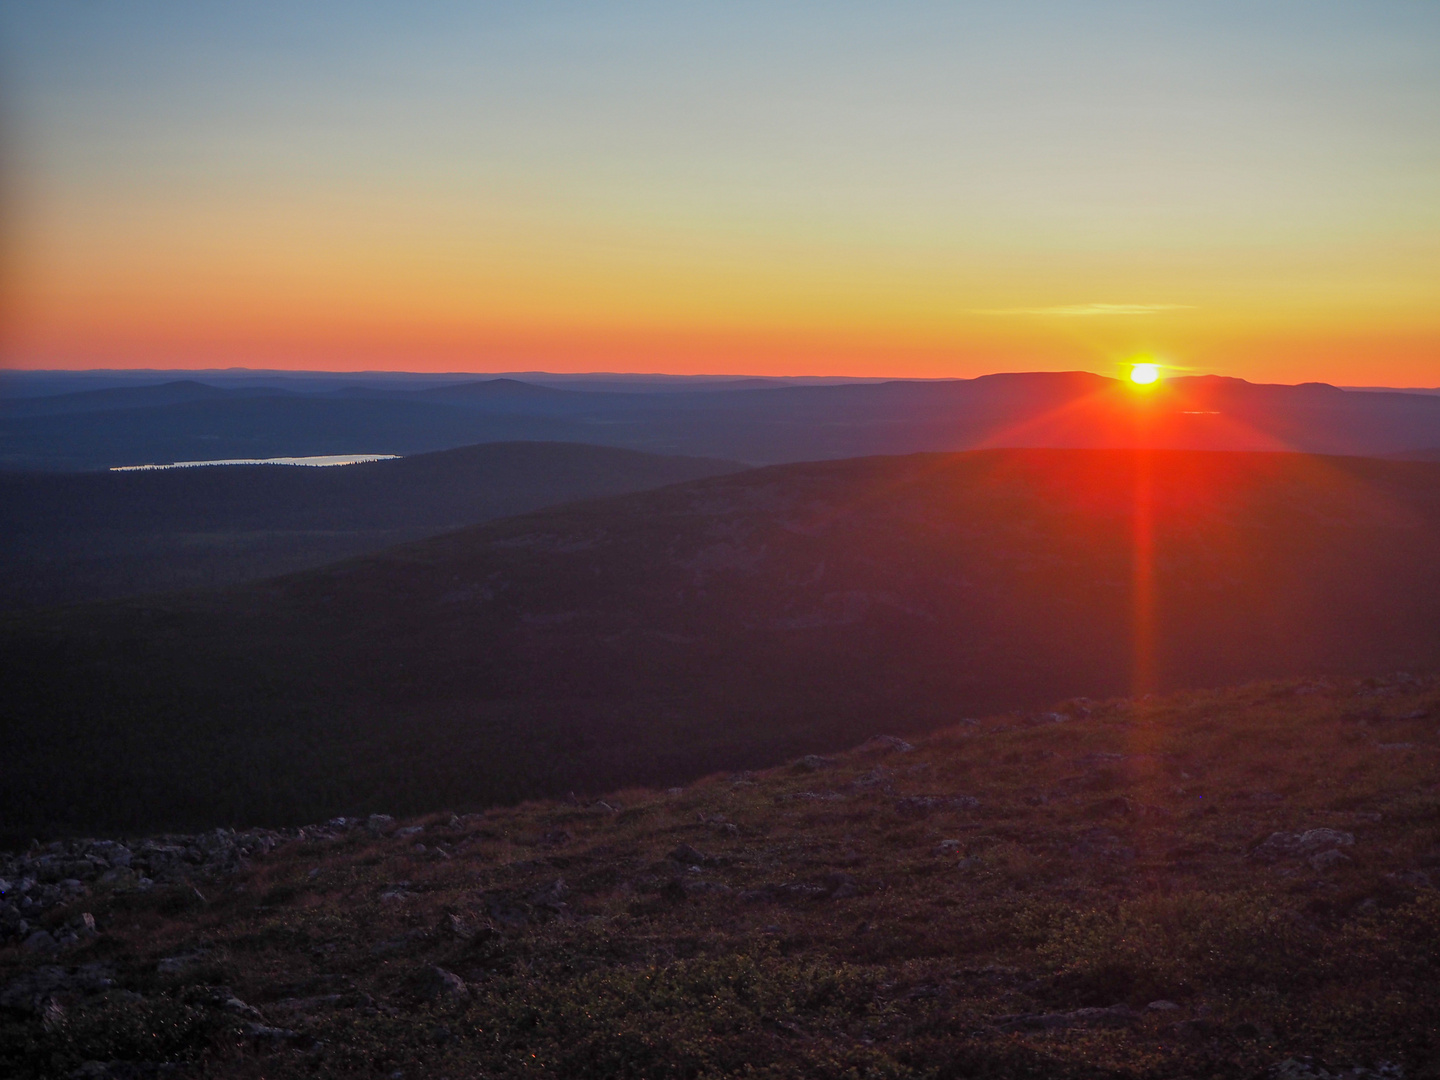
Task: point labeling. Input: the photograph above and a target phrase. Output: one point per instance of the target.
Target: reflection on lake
(330, 459)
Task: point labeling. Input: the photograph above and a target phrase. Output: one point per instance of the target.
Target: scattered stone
(919, 806)
(235, 1006)
(1116, 1016)
(1098, 843)
(552, 896)
(1328, 860)
(409, 830)
(689, 856)
(41, 941)
(1305, 1068)
(888, 744)
(874, 778)
(454, 924)
(705, 888)
(178, 965)
(266, 1037)
(436, 983)
(1289, 845)
(1418, 879)
(1115, 806)
(812, 763)
(1162, 1006)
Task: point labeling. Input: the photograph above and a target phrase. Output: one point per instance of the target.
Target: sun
(1144, 374)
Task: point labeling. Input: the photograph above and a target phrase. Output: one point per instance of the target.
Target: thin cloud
(1082, 311)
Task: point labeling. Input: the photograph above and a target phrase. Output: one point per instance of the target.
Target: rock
(885, 744)
(177, 965)
(949, 847)
(457, 926)
(264, 1036)
(705, 888)
(1305, 1068)
(1328, 860)
(41, 941)
(30, 992)
(1047, 718)
(237, 1007)
(874, 778)
(438, 984)
(1289, 845)
(556, 838)
(812, 763)
(686, 855)
(409, 830)
(1115, 806)
(507, 910)
(1098, 843)
(552, 896)
(379, 824)
(1162, 1006)
(1115, 1016)
(918, 806)
(840, 886)
(1418, 879)
(809, 796)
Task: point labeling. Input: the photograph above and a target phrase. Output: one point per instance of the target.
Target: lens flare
(1144, 374)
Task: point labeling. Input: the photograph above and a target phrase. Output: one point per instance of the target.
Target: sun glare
(1145, 374)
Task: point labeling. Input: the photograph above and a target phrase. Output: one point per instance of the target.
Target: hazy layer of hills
(67, 537)
(724, 623)
(193, 420)
(1236, 885)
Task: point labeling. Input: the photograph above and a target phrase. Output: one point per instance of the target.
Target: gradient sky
(912, 189)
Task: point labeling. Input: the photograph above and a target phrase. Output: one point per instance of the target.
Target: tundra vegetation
(1224, 883)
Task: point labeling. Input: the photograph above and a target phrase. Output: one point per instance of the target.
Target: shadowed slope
(71, 537)
(721, 623)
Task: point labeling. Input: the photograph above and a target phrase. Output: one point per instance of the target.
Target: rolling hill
(70, 537)
(759, 425)
(719, 624)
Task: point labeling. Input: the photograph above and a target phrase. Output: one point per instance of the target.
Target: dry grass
(1109, 862)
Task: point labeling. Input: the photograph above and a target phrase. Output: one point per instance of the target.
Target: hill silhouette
(65, 538)
(758, 425)
(723, 623)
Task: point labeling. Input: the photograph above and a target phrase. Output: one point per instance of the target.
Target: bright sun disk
(1144, 374)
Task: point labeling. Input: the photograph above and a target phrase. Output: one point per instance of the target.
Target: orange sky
(946, 192)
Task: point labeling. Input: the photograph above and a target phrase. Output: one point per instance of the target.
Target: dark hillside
(722, 623)
(69, 537)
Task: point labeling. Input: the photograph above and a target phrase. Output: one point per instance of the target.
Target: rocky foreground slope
(1230, 884)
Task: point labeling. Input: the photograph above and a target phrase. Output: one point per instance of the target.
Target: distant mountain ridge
(754, 424)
